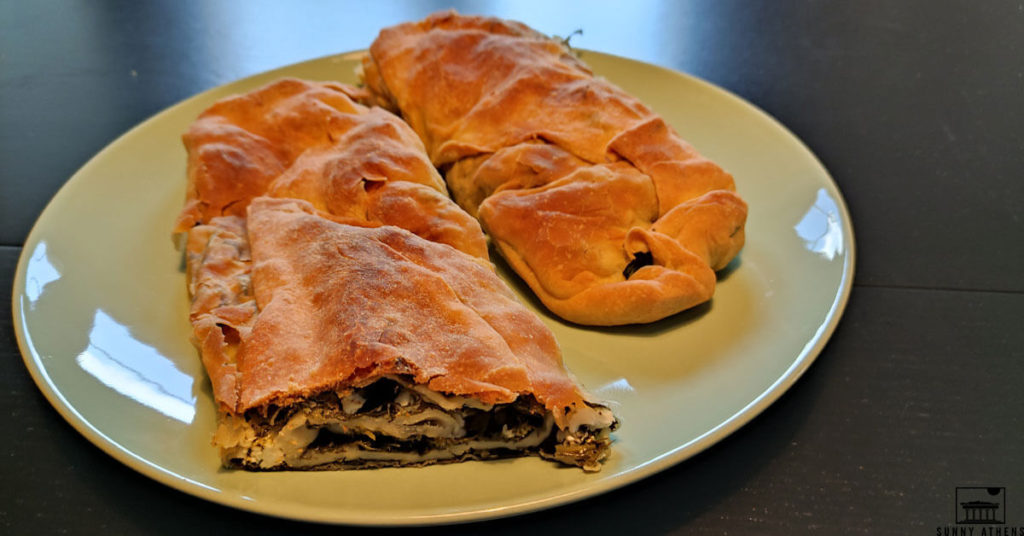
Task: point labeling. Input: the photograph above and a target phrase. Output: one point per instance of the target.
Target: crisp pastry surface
(606, 213)
(314, 141)
(343, 304)
(301, 320)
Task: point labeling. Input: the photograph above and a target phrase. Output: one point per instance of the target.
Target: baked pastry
(605, 212)
(337, 346)
(343, 305)
(313, 141)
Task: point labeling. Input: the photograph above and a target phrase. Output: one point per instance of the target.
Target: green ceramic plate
(101, 315)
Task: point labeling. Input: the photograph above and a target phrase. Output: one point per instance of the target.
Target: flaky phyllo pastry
(593, 199)
(312, 141)
(344, 308)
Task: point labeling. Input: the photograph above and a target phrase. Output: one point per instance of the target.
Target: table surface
(915, 107)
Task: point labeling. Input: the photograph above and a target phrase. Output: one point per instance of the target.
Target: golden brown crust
(324, 255)
(571, 176)
(223, 308)
(312, 141)
(330, 306)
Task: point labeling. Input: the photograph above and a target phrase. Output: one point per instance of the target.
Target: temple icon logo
(980, 506)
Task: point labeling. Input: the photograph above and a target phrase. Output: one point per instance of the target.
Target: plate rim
(782, 384)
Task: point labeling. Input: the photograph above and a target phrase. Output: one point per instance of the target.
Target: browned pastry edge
(293, 303)
(311, 140)
(479, 89)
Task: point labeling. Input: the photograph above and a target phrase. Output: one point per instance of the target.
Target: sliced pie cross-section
(330, 345)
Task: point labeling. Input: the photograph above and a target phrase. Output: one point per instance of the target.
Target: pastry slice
(605, 212)
(334, 346)
(314, 141)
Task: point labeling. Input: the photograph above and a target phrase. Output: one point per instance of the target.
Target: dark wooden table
(916, 108)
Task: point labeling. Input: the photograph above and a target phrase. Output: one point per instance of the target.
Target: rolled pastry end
(674, 280)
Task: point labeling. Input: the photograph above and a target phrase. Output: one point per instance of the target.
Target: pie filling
(393, 422)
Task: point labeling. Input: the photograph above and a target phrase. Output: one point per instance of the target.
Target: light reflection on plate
(101, 315)
(41, 272)
(136, 370)
(821, 227)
